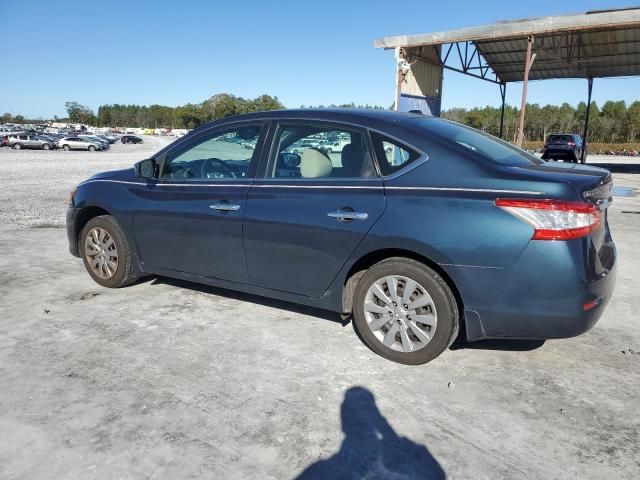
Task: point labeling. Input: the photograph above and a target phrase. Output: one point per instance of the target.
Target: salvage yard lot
(167, 379)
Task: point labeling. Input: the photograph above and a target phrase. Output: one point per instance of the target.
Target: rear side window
(392, 155)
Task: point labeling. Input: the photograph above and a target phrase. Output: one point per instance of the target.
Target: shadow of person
(371, 449)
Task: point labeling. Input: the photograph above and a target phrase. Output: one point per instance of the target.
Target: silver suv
(29, 141)
(77, 143)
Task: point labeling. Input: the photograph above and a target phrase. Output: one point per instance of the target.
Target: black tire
(17, 146)
(46, 146)
(445, 303)
(66, 148)
(124, 274)
(92, 148)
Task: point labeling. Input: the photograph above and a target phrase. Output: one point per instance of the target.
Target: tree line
(615, 122)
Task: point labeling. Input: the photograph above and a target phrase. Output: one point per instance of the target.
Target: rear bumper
(560, 154)
(543, 295)
(72, 216)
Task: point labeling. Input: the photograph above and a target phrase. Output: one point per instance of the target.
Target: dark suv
(130, 139)
(564, 146)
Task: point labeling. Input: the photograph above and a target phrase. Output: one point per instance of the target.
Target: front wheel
(17, 146)
(405, 312)
(92, 148)
(106, 253)
(46, 146)
(66, 148)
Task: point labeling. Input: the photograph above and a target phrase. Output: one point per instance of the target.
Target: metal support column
(503, 92)
(527, 67)
(585, 134)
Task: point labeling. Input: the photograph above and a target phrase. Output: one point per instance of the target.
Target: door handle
(225, 207)
(345, 215)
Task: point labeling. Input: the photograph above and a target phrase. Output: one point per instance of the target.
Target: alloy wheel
(400, 313)
(101, 253)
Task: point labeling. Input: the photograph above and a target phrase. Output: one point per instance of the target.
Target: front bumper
(543, 295)
(72, 231)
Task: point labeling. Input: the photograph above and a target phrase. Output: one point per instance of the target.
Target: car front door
(311, 208)
(190, 218)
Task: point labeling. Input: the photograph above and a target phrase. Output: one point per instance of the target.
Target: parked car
(78, 143)
(104, 145)
(29, 141)
(130, 139)
(4, 141)
(452, 230)
(564, 146)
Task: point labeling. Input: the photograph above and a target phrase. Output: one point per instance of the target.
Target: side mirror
(146, 168)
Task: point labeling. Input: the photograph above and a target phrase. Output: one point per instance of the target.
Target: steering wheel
(215, 168)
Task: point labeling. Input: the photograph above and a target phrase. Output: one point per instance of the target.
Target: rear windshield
(488, 146)
(560, 138)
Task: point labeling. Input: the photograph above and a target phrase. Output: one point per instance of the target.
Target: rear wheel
(404, 311)
(66, 148)
(106, 253)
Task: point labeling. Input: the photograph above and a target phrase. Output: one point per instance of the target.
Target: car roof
(356, 116)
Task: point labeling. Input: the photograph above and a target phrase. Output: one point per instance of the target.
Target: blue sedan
(418, 227)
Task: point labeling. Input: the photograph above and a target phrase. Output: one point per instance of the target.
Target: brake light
(571, 144)
(554, 219)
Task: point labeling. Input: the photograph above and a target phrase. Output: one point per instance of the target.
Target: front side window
(222, 155)
(316, 151)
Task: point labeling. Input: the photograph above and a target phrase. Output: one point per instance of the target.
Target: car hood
(125, 174)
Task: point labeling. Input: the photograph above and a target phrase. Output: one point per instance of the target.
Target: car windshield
(488, 146)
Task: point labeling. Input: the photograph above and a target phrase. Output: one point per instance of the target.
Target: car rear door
(190, 219)
(302, 222)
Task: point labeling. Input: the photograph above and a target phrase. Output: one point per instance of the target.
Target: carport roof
(603, 43)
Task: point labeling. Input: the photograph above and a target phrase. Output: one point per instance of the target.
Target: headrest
(315, 164)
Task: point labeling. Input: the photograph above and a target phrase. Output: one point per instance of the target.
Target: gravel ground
(35, 184)
(167, 379)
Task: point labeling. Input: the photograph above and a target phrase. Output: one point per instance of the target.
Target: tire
(17, 146)
(123, 273)
(442, 300)
(92, 148)
(46, 146)
(66, 148)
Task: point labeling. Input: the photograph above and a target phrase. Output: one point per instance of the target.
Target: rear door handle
(345, 215)
(225, 207)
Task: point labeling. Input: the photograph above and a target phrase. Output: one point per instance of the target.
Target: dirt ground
(171, 380)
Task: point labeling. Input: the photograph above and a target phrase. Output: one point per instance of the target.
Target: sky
(303, 52)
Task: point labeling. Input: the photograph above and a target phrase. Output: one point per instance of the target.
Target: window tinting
(391, 154)
(221, 155)
(487, 146)
(314, 151)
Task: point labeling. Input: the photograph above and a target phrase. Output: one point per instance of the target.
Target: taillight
(571, 144)
(554, 219)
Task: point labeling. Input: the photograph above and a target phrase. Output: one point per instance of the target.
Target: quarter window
(392, 155)
(220, 156)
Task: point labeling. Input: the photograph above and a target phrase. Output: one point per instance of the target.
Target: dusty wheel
(46, 146)
(17, 146)
(106, 253)
(405, 312)
(92, 148)
(66, 148)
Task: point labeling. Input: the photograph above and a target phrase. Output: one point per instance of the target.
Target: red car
(4, 141)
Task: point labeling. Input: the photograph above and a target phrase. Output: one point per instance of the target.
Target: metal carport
(595, 44)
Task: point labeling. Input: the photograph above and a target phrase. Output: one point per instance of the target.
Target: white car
(335, 147)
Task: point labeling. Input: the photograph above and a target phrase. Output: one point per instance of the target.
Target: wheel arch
(365, 262)
(86, 214)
